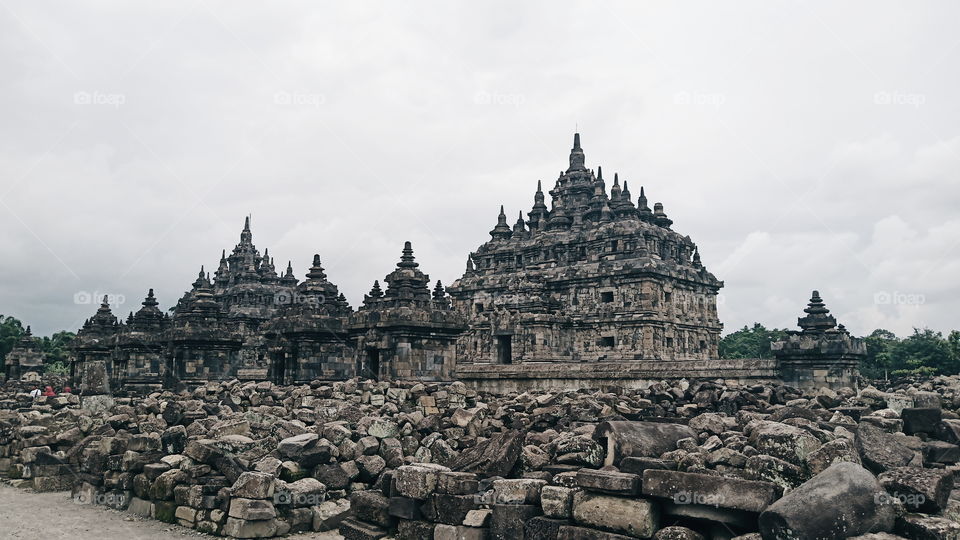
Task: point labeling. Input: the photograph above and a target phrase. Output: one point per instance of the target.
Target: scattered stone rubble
(679, 460)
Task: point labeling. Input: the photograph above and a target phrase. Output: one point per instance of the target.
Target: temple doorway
(504, 349)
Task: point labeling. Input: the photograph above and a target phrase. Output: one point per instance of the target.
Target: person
(67, 390)
(35, 393)
(48, 391)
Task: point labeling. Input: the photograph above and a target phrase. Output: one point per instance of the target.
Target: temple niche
(594, 278)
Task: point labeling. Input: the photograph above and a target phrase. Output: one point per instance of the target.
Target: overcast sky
(801, 145)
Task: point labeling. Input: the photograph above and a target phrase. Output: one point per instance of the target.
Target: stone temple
(594, 290)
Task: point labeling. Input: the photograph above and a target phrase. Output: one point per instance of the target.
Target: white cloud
(781, 165)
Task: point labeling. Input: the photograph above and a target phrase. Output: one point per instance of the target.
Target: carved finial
(407, 259)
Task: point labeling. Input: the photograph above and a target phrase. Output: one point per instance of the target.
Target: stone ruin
(409, 461)
(594, 291)
(25, 360)
(822, 353)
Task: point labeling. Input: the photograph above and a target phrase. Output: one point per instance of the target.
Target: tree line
(55, 348)
(924, 352)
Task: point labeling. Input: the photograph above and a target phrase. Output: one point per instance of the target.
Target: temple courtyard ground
(54, 516)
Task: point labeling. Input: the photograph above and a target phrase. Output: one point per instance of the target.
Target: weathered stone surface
(543, 528)
(251, 509)
(638, 439)
(518, 491)
(921, 420)
(493, 457)
(720, 492)
(611, 482)
(634, 517)
(557, 502)
(919, 490)
(457, 483)
(784, 441)
(414, 530)
(329, 514)
(506, 520)
(372, 507)
(921, 527)
(844, 500)
(239, 528)
(881, 451)
(835, 451)
(677, 533)
(417, 481)
(458, 532)
(254, 485)
(571, 532)
(352, 529)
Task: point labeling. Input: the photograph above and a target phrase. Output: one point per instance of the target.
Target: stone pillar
(95, 386)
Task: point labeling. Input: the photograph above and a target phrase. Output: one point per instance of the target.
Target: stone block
(610, 482)
(352, 529)
(543, 528)
(940, 452)
(881, 451)
(251, 509)
(844, 500)
(717, 491)
(414, 530)
(373, 507)
(254, 485)
(636, 465)
(417, 481)
(328, 515)
(623, 439)
(506, 520)
(405, 508)
(449, 509)
(919, 490)
(557, 501)
(518, 491)
(457, 483)
(639, 518)
(241, 528)
(140, 507)
(921, 420)
(458, 532)
(923, 527)
(478, 518)
(186, 516)
(571, 532)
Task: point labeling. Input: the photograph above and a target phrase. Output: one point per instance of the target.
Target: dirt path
(54, 516)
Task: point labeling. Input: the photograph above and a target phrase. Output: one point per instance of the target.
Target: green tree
(10, 331)
(924, 353)
(953, 343)
(750, 342)
(56, 348)
(880, 345)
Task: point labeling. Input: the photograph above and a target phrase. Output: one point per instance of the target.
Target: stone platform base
(543, 376)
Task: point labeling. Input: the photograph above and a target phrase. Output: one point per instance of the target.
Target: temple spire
(502, 230)
(576, 155)
(246, 237)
